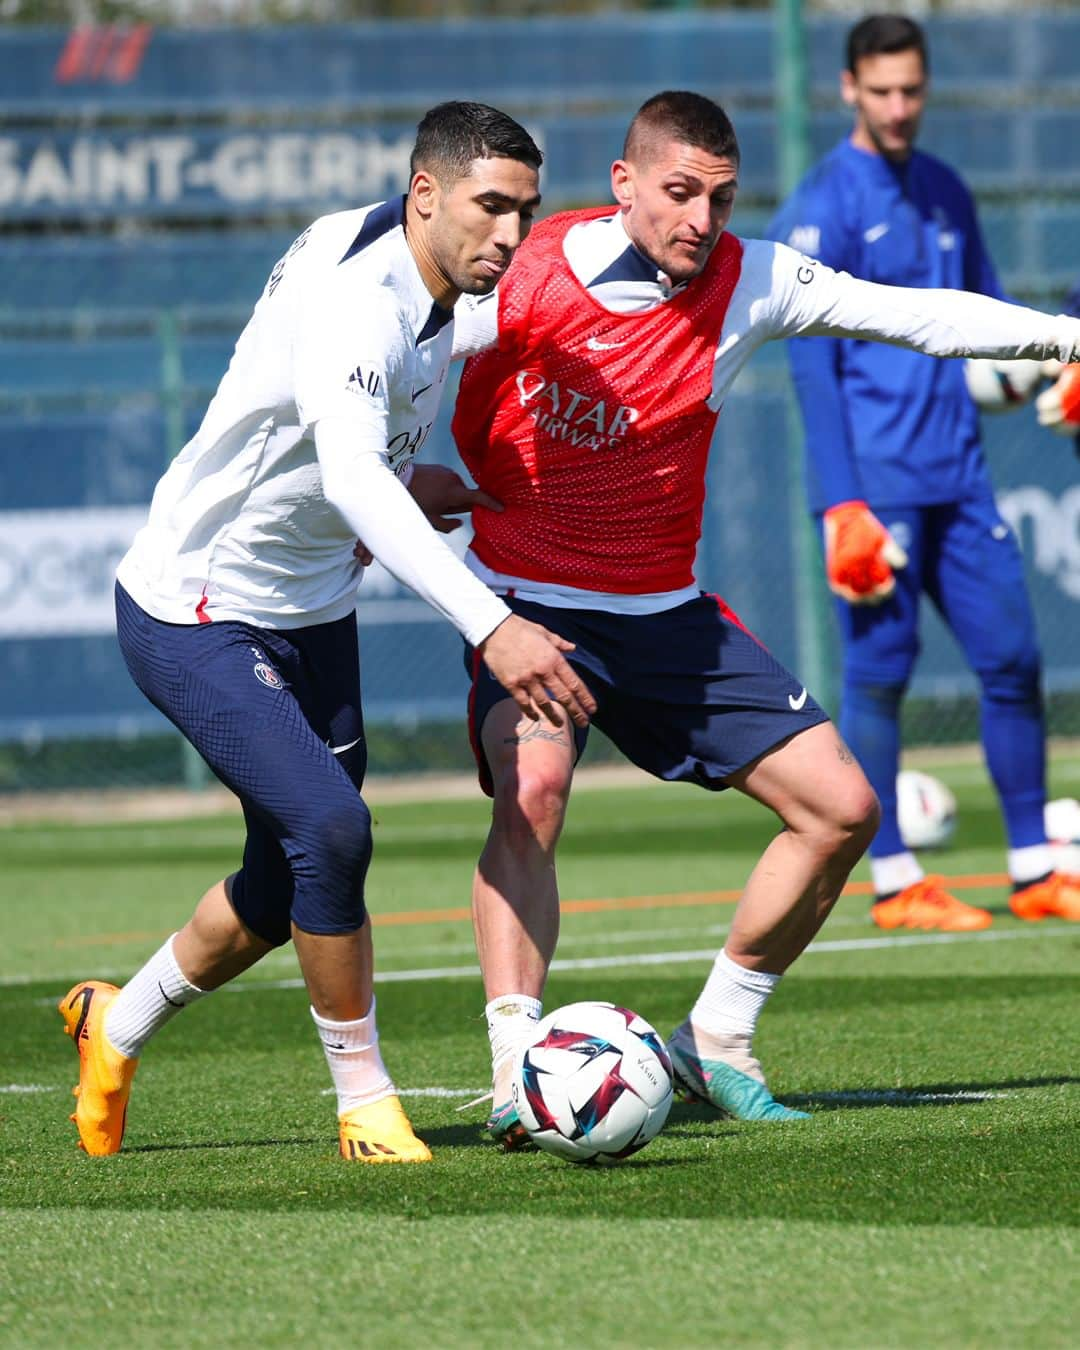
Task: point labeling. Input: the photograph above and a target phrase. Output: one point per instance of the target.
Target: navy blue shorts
(689, 695)
(276, 715)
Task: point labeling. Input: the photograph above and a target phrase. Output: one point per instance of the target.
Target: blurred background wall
(156, 159)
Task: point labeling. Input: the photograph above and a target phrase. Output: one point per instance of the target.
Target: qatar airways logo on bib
(566, 414)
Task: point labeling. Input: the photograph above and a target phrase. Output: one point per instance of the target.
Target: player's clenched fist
(860, 554)
(1059, 406)
(527, 660)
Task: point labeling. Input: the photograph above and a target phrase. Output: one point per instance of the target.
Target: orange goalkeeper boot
(104, 1073)
(1055, 897)
(928, 905)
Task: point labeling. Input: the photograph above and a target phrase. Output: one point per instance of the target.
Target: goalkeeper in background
(897, 478)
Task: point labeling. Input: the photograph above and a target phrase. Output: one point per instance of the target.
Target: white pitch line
(683, 958)
(867, 1096)
(426, 1092)
(286, 958)
(596, 938)
(885, 1096)
(932, 939)
(633, 958)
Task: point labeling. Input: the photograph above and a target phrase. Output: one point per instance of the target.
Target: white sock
(152, 997)
(732, 999)
(511, 1019)
(895, 873)
(356, 1066)
(1030, 864)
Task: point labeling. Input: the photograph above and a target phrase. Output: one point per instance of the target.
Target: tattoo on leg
(536, 731)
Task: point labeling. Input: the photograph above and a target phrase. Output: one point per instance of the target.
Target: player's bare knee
(861, 819)
(848, 817)
(868, 820)
(530, 805)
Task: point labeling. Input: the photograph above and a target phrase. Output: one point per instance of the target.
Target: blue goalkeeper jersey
(893, 427)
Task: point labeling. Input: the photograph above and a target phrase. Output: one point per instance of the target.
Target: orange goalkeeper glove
(1059, 406)
(860, 554)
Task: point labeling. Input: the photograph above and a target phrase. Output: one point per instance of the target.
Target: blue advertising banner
(150, 178)
(306, 168)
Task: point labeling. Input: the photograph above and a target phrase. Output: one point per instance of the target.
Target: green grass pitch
(931, 1200)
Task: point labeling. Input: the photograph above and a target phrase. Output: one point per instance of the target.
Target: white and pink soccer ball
(927, 813)
(1062, 817)
(926, 810)
(1001, 386)
(593, 1084)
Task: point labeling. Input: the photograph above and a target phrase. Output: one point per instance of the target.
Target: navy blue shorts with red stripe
(276, 714)
(689, 694)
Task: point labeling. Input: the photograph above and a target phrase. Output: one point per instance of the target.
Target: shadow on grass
(462, 1135)
(456, 1136)
(643, 1163)
(892, 1168)
(476, 1137)
(860, 1099)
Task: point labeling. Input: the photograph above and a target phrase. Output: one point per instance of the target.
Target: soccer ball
(926, 809)
(1062, 818)
(593, 1084)
(1000, 386)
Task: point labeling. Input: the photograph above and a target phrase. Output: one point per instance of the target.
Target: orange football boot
(104, 1073)
(928, 905)
(1055, 897)
(380, 1133)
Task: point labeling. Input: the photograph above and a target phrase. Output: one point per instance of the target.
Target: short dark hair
(882, 34)
(679, 115)
(452, 135)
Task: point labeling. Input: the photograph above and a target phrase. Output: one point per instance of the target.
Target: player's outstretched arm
(527, 660)
(817, 301)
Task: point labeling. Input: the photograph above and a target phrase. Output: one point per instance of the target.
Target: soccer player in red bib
(587, 409)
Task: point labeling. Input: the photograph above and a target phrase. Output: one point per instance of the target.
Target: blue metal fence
(165, 175)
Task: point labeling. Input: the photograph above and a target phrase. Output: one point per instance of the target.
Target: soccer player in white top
(588, 412)
(236, 603)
